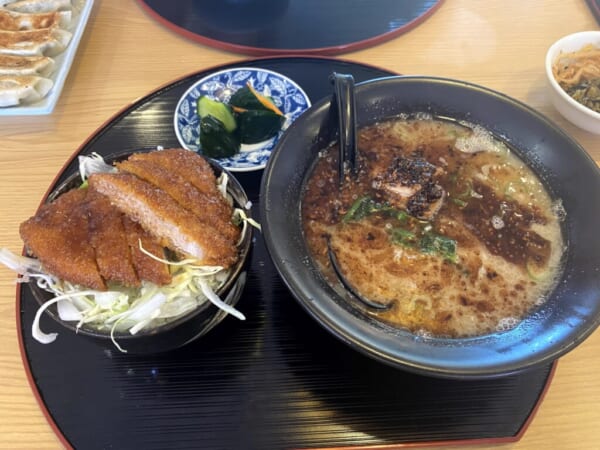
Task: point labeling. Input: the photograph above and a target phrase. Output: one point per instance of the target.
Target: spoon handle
(343, 85)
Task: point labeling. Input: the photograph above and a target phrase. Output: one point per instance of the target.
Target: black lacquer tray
(277, 380)
(270, 27)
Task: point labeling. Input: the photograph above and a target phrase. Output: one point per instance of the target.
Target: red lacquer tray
(275, 27)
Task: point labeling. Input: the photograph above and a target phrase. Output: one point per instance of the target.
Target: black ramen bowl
(184, 329)
(572, 310)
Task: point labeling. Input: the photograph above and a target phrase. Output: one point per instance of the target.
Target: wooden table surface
(124, 54)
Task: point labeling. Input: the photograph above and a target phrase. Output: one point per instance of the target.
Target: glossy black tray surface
(277, 380)
(268, 27)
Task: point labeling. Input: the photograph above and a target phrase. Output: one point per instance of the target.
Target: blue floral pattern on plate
(286, 94)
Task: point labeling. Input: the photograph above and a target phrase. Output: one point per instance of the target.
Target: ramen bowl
(178, 330)
(571, 311)
(576, 113)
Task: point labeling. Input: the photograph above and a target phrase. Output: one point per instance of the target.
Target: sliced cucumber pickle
(220, 111)
(248, 98)
(258, 125)
(215, 140)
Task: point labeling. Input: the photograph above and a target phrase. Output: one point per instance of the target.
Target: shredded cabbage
(93, 164)
(124, 309)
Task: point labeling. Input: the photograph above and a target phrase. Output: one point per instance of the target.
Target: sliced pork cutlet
(58, 236)
(109, 240)
(146, 267)
(189, 165)
(209, 209)
(157, 212)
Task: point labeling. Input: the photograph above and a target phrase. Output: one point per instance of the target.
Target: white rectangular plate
(63, 61)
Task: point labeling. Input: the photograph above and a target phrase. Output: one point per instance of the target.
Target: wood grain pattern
(124, 54)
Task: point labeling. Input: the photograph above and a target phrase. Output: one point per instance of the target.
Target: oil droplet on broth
(507, 323)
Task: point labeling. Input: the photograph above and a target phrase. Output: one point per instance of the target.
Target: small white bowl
(570, 108)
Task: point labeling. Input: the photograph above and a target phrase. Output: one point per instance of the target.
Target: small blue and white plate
(285, 93)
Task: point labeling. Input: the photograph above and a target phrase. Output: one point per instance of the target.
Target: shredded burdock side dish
(578, 73)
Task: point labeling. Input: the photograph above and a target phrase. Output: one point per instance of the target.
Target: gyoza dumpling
(15, 21)
(37, 6)
(22, 89)
(42, 66)
(47, 41)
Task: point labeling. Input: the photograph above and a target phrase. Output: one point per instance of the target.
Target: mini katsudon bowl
(145, 254)
(460, 248)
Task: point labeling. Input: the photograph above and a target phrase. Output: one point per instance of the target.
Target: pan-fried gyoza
(15, 21)
(32, 32)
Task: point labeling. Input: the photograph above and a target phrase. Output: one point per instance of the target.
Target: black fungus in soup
(442, 221)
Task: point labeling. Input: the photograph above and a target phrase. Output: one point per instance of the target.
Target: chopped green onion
(458, 202)
(403, 237)
(440, 245)
(360, 209)
(426, 241)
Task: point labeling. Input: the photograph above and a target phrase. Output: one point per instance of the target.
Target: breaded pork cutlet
(58, 236)
(190, 166)
(156, 211)
(146, 268)
(210, 209)
(109, 240)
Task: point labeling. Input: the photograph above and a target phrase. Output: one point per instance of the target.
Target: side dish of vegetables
(247, 118)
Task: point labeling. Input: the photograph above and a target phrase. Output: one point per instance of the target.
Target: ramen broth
(441, 221)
